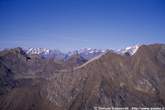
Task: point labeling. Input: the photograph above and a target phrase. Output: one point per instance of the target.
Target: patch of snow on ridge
(91, 60)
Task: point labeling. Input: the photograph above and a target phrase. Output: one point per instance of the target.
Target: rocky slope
(108, 80)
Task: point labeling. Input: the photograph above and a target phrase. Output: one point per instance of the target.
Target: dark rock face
(6, 79)
(110, 80)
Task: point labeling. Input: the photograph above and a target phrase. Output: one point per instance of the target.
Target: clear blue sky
(73, 24)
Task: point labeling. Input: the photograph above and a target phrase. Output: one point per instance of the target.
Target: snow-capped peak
(87, 53)
(38, 51)
(45, 52)
(131, 50)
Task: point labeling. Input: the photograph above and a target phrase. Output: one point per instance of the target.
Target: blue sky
(74, 24)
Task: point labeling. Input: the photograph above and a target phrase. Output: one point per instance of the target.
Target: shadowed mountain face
(33, 83)
(74, 61)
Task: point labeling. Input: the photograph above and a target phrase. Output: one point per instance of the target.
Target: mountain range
(43, 79)
(87, 53)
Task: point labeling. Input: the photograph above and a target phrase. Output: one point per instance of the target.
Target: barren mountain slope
(113, 80)
(106, 81)
(22, 64)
